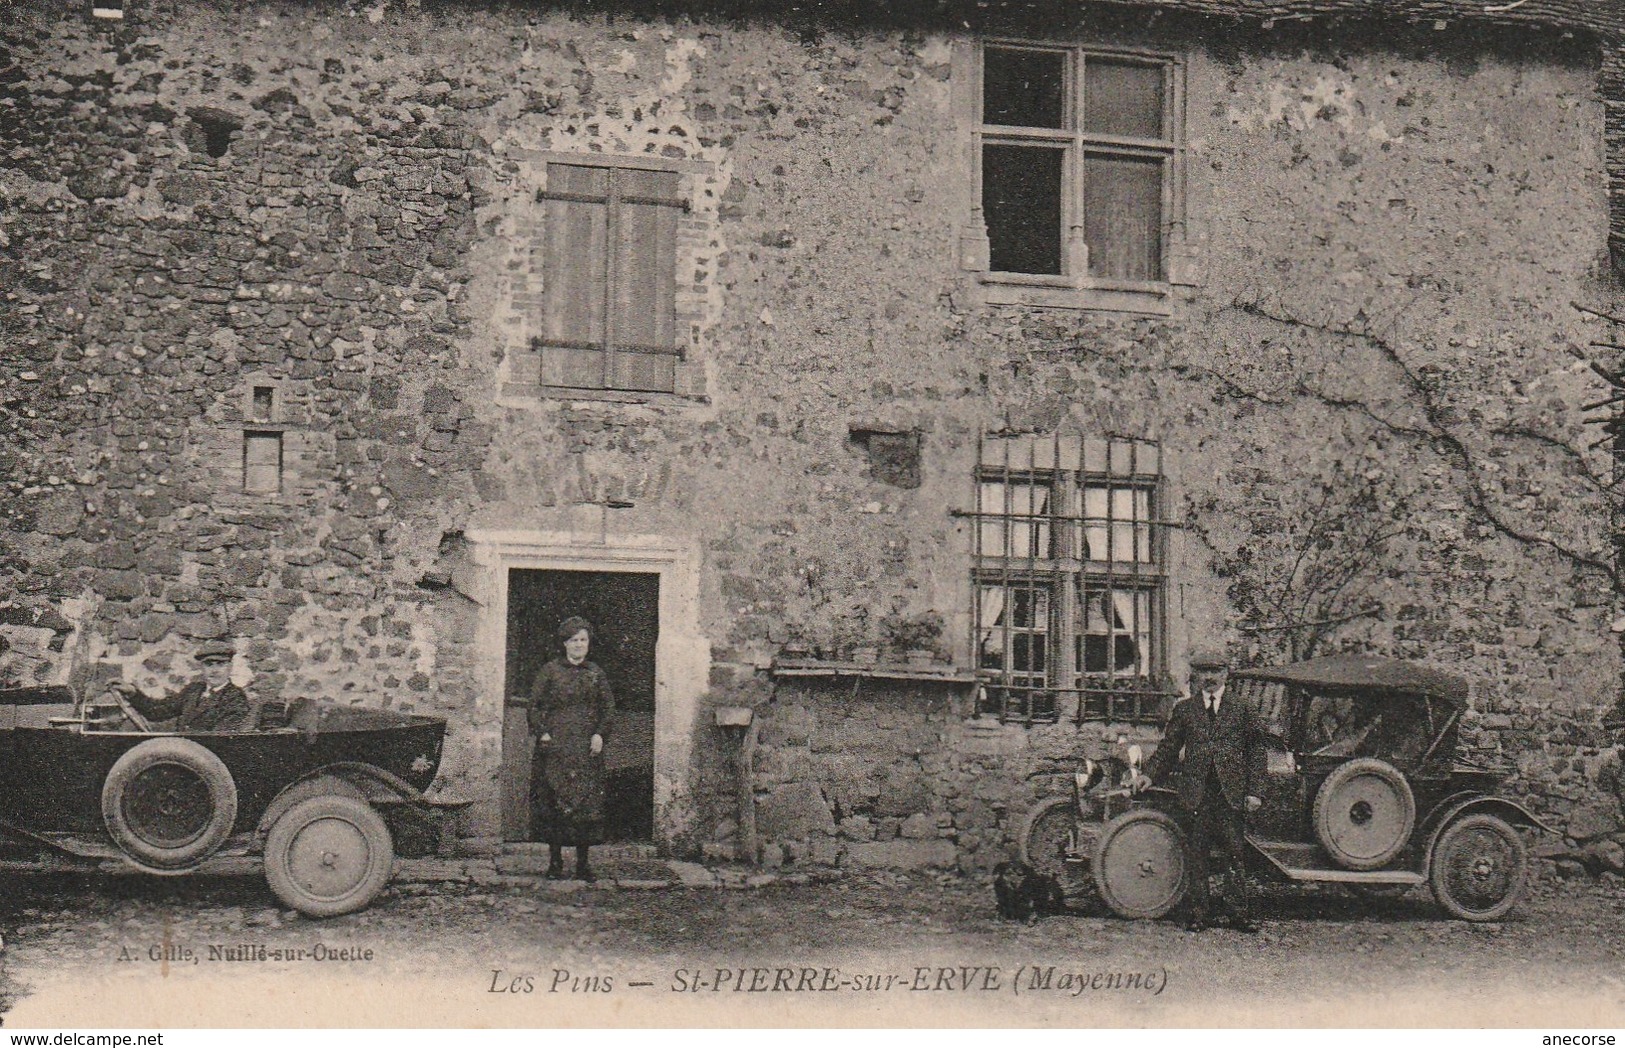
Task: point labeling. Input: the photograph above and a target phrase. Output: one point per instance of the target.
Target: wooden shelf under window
(929, 674)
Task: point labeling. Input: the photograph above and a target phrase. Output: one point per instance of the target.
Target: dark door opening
(624, 609)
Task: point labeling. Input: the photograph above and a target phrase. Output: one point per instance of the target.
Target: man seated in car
(210, 703)
(1350, 726)
(1339, 724)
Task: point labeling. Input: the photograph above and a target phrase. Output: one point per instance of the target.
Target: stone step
(627, 850)
(413, 876)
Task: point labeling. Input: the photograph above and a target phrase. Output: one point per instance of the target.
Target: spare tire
(1364, 813)
(169, 804)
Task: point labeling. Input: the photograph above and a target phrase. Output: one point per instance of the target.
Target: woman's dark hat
(573, 625)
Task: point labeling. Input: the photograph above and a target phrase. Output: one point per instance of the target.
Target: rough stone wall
(193, 210)
(340, 204)
(904, 777)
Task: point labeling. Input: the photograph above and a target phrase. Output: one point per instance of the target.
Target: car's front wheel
(328, 855)
(1477, 870)
(1139, 864)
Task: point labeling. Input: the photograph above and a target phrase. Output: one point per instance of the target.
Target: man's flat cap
(215, 651)
(1209, 659)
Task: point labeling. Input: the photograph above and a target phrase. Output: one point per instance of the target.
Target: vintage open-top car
(322, 792)
(1363, 783)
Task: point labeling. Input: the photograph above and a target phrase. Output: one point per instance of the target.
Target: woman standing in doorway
(571, 708)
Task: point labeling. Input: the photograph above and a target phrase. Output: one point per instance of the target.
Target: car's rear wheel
(169, 803)
(1049, 845)
(1364, 813)
(1139, 864)
(328, 855)
(1478, 866)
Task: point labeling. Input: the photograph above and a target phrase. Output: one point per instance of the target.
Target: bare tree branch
(1441, 434)
(1279, 627)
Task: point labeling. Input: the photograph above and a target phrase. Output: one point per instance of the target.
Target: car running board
(1306, 862)
(89, 846)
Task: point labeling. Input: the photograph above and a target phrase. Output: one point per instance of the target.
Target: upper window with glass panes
(1078, 152)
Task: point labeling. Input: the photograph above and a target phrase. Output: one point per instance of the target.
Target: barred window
(1069, 577)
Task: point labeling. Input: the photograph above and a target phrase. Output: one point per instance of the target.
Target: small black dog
(1024, 894)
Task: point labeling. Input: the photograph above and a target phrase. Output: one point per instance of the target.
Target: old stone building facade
(1051, 340)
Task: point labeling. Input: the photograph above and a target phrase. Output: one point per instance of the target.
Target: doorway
(624, 609)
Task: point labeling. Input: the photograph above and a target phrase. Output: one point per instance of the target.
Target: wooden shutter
(643, 310)
(575, 278)
(610, 290)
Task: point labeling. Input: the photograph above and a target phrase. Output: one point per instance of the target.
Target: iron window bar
(1039, 644)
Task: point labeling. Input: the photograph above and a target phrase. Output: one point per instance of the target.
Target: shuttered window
(609, 301)
(1077, 152)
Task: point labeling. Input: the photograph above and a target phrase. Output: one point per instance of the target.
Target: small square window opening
(262, 403)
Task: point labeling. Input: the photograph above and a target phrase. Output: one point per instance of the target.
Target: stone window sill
(532, 392)
(940, 673)
(1060, 292)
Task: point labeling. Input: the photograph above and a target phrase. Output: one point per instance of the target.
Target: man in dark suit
(1213, 749)
(210, 703)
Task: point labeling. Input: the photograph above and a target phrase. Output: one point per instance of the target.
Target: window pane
(990, 645)
(1117, 524)
(1027, 653)
(1122, 216)
(1015, 536)
(1021, 199)
(1014, 628)
(1023, 88)
(1123, 98)
(1114, 632)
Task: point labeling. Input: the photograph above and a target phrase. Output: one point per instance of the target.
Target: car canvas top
(1366, 671)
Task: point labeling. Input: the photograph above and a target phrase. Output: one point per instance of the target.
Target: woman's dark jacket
(570, 704)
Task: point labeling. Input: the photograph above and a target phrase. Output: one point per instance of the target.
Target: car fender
(1457, 805)
(347, 778)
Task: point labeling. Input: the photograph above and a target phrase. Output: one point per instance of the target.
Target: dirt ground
(862, 950)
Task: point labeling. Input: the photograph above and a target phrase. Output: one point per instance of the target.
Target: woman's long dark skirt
(566, 798)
